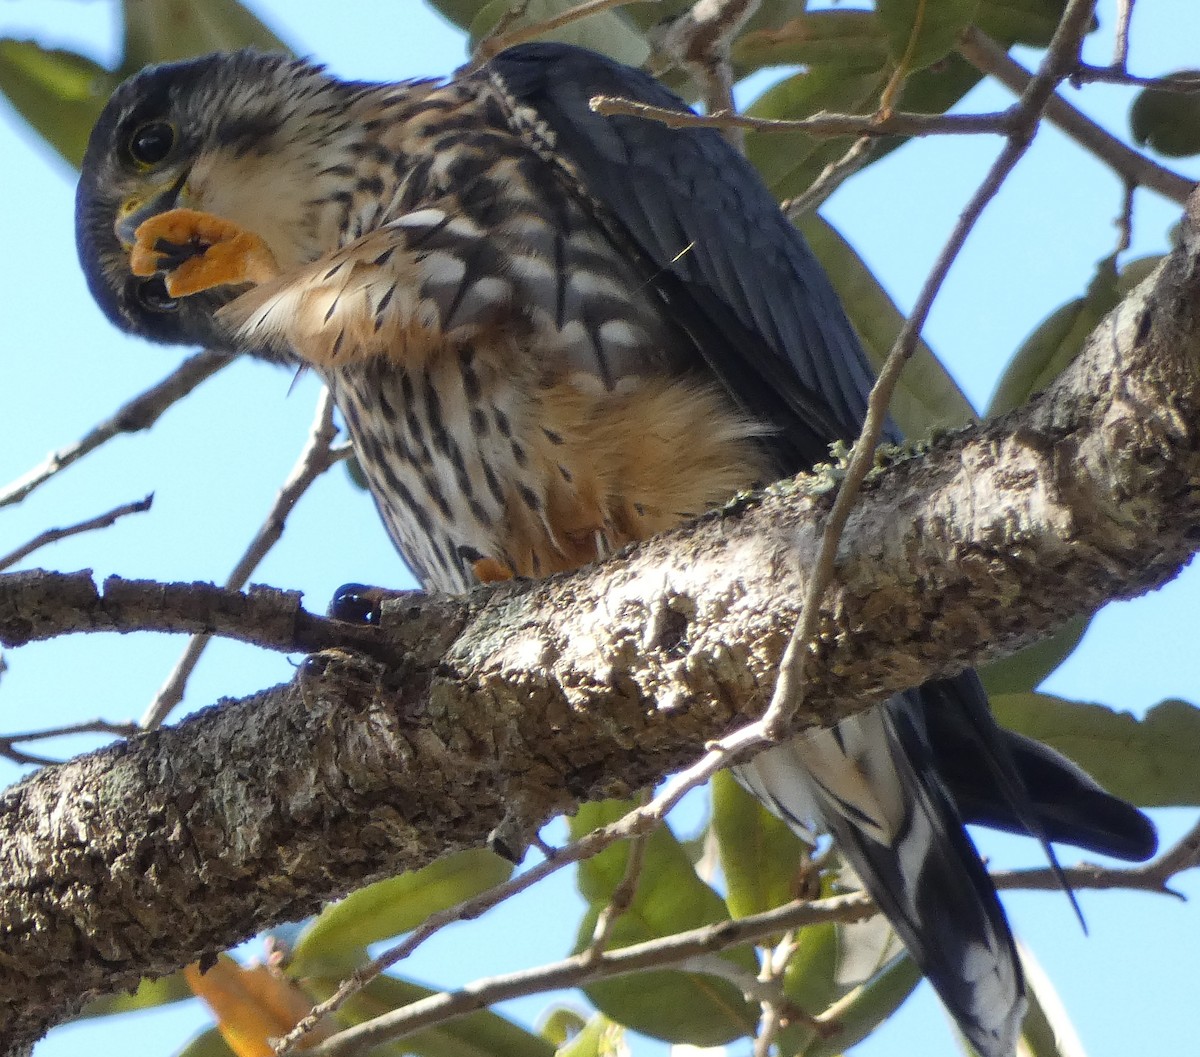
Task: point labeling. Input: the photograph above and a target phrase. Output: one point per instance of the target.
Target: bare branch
(100, 521)
(986, 55)
(699, 40)
(317, 456)
(502, 36)
(1121, 38)
(690, 947)
(8, 742)
(622, 897)
(830, 179)
(898, 123)
(139, 413)
(1178, 83)
(39, 605)
(1154, 876)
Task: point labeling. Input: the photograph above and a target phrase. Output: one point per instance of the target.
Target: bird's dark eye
(152, 295)
(151, 142)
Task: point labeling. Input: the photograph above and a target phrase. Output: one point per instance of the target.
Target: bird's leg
(198, 251)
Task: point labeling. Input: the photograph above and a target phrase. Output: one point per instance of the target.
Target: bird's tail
(871, 782)
(1056, 800)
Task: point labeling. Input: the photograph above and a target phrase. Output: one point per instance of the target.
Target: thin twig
(788, 695)
(1153, 876)
(14, 755)
(100, 521)
(774, 1010)
(8, 742)
(621, 899)
(986, 55)
(1121, 37)
(1124, 221)
(636, 822)
(502, 36)
(899, 123)
(690, 947)
(832, 177)
(317, 456)
(137, 414)
(1176, 83)
(699, 40)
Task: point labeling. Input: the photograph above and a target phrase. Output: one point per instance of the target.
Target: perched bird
(551, 333)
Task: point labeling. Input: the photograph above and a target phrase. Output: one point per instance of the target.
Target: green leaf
(760, 856)
(1026, 669)
(1020, 21)
(606, 32)
(1056, 341)
(460, 12)
(868, 1006)
(846, 53)
(696, 1008)
(166, 30)
(927, 398)
(810, 981)
(846, 39)
(1168, 122)
(770, 13)
(600, 1037)
(1047, 1030)
(150, 993)
(922, 32)
(390, 907)
(481, 1034)
(1135, 271)
(207, 1044)
(560, 1024)
(1060, 337)
(1150, 762)
(58, 92)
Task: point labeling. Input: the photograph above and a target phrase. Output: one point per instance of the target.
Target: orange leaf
(253, 1005)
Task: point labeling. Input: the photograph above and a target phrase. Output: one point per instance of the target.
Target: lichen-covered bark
(512, 705)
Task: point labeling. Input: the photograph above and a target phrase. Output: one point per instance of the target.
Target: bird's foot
(197, 251)
(361, 603)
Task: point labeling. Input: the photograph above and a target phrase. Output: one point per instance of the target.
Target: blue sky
(215, 463)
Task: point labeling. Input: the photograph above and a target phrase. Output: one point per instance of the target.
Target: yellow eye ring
(151, 143)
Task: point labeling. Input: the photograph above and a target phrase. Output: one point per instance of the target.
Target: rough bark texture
(512, 706)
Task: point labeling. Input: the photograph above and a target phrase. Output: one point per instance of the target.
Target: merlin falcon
(550, 334)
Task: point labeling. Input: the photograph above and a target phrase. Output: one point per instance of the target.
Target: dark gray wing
(760, 312)
(734, 272)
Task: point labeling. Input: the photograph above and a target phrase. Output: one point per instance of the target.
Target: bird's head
(244, 136)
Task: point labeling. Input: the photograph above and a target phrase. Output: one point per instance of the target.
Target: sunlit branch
(582, 969)
(100, 521)
(317, 456)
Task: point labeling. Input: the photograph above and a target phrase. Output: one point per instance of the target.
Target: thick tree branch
(509, 706)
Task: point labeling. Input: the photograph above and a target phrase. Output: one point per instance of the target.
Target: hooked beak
(134, 212)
